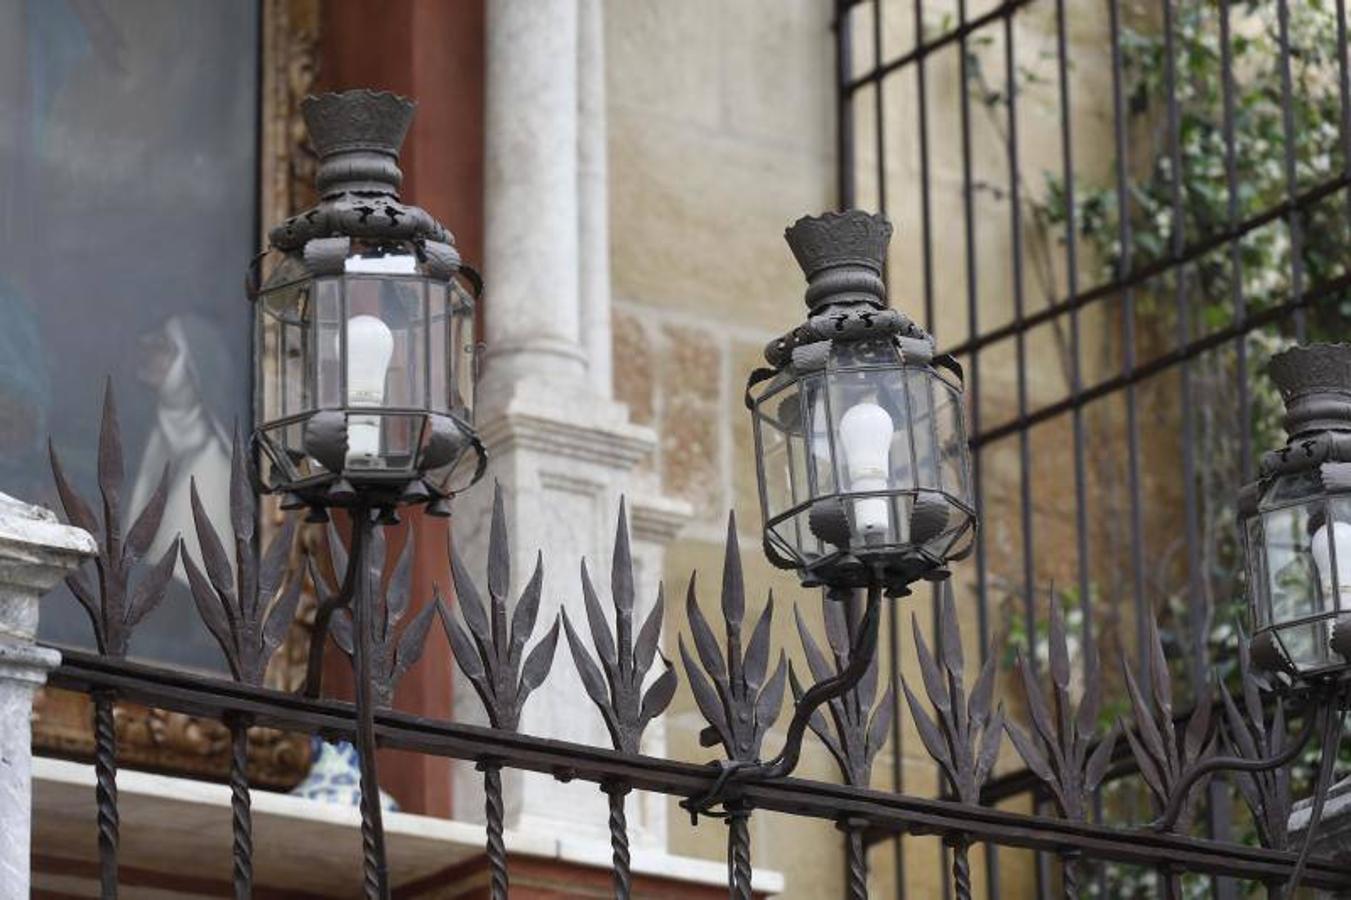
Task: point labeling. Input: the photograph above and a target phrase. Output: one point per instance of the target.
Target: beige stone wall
(722, 131)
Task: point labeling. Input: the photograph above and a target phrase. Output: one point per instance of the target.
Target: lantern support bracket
(1328, 716)
(1316, 720)
(861, 655)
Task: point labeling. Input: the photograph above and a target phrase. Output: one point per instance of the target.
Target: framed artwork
(147, 145)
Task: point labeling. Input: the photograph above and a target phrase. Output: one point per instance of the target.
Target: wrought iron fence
(1068, 743)
(1159, 182)
(247, 604)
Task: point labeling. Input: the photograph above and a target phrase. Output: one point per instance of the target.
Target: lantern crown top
(841, 253)
(849, 238)
(357, 136)
(1315, 383)
(374, 121)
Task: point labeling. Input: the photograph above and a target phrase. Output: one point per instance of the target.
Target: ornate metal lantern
(364, 340)
(1296, 522)
(860, 440)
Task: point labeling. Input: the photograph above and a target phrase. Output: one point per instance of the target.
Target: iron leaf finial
(965, 739)
(1060, 749)
(116, 606)
(735, 697)
(615, 684)
(248, 609)
(490, 653)
(859, 731)
(396, 650)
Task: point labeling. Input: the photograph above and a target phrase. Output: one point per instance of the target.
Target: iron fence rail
(883, 811)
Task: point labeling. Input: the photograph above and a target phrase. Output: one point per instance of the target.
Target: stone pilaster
(36, 552)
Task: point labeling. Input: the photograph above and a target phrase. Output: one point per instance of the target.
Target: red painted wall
(430, 51)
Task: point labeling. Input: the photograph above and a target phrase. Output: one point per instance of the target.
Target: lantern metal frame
(1312, 472)
(360, 217)
(842, 256)
(1315, 383)
(357, 135)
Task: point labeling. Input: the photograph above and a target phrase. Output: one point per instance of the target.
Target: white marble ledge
(23, 525)
(182, 826)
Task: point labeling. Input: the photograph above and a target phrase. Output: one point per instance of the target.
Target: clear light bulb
(370, 347)
(865, 437)
(1322, 561)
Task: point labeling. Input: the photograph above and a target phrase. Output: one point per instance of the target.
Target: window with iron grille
(1112, 213)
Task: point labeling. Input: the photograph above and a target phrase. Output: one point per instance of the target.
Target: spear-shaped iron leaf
(1249, 736)
(615, 685)
(860, 731)
(1060, 750)
(248, 610)
(1162, 754)
(491, 653)
(396, 650)
(965, 739)
(115, 606)
(740, 704)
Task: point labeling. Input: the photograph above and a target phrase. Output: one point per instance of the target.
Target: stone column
(36, 552)
(533, 317)
(560, 446)
(593, 230)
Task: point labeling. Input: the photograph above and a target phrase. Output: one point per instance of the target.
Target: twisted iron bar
(739, 851)
(856, 860)
(1069, 876)
(1170, 882)
(495, 814)
(105, 791)
(961, 867)
(241, 807)
(619, 840)
(374, 866)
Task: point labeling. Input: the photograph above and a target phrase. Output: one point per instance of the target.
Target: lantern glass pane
(285, 389)
(818, 437)
(955, 540)
(1338, 578)
(400, 437)
(463, 352)
(951, 441)
(795, 532)
(295, 385)
(799, 462)
(776, 468)
(328, 335)
(923, 427)
(1290, 488)
(438, 324)
(1258, 585)
(455, 475)
(868, 415)
(1293, 582)
(386, 342)
(864, 354)
(267, 376)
